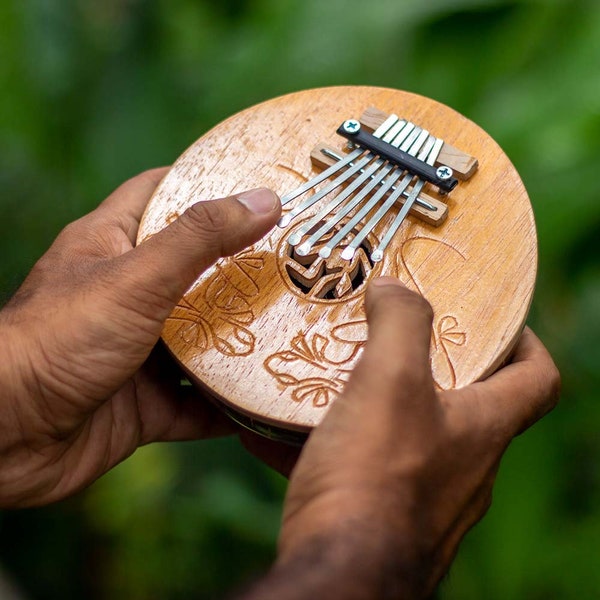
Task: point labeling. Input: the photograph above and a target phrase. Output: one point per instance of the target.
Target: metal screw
(351, 126)
(444, 172)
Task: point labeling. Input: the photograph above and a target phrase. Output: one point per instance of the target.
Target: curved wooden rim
(486, 253)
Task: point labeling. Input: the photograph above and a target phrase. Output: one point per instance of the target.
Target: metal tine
(392, 134)
(295, 238)
(285, 220)
(377, 254)
(401, 141)
(305, 247)
(367, 173)
(419, 200)
(379, 132)
(390, 180)
(348, 252)
(410, 140)
(376, 179)
(427, 148)
(321, 176)
(350, 249)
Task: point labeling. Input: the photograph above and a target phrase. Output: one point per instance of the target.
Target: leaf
(354, 332)
(319, 345)
(273, 366)
(245, 336)
(447, 324)
(285, 378)
(226, 348)
(196, 335)
(457, 338)
(448, 331)
(318, 392)
(288, 356)
(301, 346)
(242, 318)
(251, 262)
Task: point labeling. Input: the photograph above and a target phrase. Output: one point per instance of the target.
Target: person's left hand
(81, 386)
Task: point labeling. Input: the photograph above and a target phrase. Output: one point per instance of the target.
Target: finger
(128, 202)
(396, 355)
(181, 414)
(277, 455)
(521, 393)
(164, 266)
(170, 411)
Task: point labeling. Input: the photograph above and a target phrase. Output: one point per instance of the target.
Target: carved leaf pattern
(196, 334)
(289, 367)
(220, 317)
(318, 391)
(446, 331)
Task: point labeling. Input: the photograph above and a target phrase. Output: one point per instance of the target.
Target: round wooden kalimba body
(273, 335)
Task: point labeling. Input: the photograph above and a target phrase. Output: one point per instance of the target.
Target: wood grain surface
(256, 331)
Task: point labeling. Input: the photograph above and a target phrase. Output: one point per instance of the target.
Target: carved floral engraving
(447, 331)
(288, 367)
(218, 314)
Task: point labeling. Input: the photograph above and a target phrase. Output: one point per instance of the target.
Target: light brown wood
(256, 331)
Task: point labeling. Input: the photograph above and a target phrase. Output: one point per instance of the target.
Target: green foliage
(93, 92)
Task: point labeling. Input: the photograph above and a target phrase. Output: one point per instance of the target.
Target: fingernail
(259, 201)
(381, 281)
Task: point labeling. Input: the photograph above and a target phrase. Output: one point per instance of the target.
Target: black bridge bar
(398, 157)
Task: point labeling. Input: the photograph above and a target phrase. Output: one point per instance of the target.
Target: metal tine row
(377, 254)
(376, 179)
(424, 154)
(368, 173)
(411, 145)
(285, 220)
(397, 132)
(420, 200)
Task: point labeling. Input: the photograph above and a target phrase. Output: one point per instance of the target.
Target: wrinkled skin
(84, 387)
(399, 470)
(385, 488)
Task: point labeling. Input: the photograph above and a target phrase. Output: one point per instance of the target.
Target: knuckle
(421, 306)
(400, 298)
(553, 386)
(206, 218)
(75, 236)
(70, 232)
(415, 303)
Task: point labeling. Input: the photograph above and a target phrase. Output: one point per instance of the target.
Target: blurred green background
(94, 92)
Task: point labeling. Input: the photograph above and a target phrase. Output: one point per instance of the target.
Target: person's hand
(387, 486)
(81, 390)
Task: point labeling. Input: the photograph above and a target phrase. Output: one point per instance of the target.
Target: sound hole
(333, 278)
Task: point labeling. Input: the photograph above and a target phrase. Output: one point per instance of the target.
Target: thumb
(166, 264)
(396, 355)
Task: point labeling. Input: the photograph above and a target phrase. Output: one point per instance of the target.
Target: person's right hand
(387, 486)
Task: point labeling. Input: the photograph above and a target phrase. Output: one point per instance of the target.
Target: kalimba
(373, 182)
